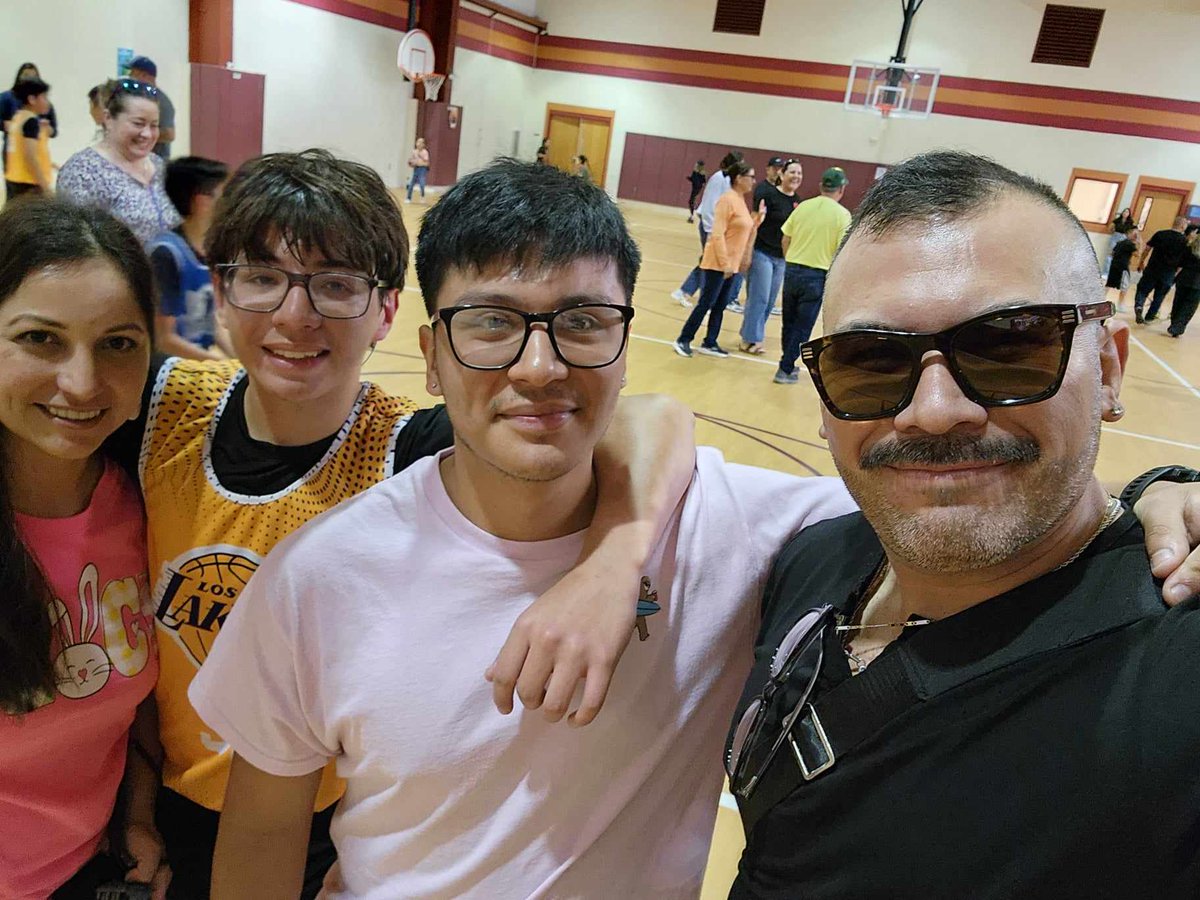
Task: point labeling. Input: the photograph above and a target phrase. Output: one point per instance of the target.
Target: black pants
(190, 833)
(1184, 307)
(1157, 280)
(17, 189)
(803, 290)
(715, 293)
(96, 872)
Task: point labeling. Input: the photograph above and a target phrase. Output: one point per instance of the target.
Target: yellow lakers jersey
(205, 542)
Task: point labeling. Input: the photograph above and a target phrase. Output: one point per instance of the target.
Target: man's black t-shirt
(779, 207)
(1169, 249)
(1189, 272)
(1050, 750)
(256, 468)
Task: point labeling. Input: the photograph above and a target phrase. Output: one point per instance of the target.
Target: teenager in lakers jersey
(310, 253)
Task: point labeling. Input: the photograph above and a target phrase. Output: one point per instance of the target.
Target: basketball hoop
(433, 85)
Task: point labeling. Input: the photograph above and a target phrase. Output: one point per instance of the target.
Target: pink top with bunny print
(61, 764)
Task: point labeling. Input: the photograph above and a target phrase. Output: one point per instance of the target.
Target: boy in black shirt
(698, 179)
(1118, 269)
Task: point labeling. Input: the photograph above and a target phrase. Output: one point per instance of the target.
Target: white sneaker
(681, 298)
(734, 307)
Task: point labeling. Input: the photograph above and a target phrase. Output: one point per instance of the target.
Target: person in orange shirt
(29, 170)
(733, 231)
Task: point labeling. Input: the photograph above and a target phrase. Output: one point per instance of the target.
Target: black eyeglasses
(335, 295)
(1008, 357)
(770, 717)
(584, 336)
(132, 86)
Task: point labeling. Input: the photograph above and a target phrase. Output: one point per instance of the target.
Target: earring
(623, 381)
(433, 385)
(1117, 411)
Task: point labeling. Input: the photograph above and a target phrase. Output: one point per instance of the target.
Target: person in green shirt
(810, 239)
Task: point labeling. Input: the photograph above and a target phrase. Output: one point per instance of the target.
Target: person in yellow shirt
(810, 239)
(28, 169)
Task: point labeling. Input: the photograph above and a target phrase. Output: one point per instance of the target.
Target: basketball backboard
(890, 89)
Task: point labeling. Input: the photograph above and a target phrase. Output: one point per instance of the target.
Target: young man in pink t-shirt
(527, 275)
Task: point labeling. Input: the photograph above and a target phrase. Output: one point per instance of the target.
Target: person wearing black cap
(810, 238)
(143, 69)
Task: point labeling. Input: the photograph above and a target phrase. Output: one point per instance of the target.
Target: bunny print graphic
(83, 664)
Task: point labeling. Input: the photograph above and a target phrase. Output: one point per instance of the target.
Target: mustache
(951, 450)
(551, 394)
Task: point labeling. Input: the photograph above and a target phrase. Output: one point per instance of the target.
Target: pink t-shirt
(61, 764)
(364, 637)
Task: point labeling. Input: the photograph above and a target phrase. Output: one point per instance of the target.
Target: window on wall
(739, 16)
(1093, 197)
(1068, 35)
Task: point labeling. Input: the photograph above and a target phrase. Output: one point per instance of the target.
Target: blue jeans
(691, 284)
(762, 287)
(715, 291)
(803, 288)
(1157, 280)
(420, 173)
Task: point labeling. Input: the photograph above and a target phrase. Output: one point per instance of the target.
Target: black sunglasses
(132, 86)
(769, 718)
(1008, 357)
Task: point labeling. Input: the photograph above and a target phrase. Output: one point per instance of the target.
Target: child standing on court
(418, 161)
(698, 180)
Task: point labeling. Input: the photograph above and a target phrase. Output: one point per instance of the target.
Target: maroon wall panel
(632, 163)
(442, 141)
(226, 114)
(655, 172)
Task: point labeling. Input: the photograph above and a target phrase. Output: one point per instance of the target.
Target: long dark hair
(36, 234)
(21, 68)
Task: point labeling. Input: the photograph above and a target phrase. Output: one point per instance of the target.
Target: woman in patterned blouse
(121, 174)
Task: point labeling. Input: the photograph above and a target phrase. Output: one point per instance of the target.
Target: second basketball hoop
(415, 60)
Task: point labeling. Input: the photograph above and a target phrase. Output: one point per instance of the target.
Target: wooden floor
(755, 421)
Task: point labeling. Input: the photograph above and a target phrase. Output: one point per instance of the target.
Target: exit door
(1157, 211)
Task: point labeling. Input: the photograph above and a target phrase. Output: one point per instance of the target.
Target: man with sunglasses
(973, 688)
(527, 275)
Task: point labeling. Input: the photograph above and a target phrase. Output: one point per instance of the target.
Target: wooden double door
(576, 130)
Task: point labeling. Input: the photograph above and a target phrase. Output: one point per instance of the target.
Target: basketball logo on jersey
(196, 592)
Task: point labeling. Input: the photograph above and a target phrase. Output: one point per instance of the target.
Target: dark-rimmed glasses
(584, 336)
(133, 86)
(767, 721)
(1008, 357)
(335, 295)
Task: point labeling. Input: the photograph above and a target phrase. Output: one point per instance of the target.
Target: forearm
(242, 856)
(142, 765)
(784, 243)
(644, 465)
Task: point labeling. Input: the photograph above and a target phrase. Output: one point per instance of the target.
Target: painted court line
(1166, 367)
(743, 357)
(1150, 437)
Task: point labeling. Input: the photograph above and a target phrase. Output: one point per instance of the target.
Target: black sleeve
(53, 117)
(124, 445)
(427, 432)
(32, 127)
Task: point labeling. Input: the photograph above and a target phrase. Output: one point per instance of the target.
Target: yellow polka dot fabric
(205, 542)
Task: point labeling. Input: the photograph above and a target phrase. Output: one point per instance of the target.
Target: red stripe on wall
(1102, 126)
(493, 50)
(496, 24)
(700, 57)
(688, 80)
(353, 11)
(1075, 95)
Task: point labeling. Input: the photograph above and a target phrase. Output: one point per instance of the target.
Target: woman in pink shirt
(732, 233)
(76, 635)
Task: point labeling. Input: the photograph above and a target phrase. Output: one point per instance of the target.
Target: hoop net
(433, 84)
(885, 109)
